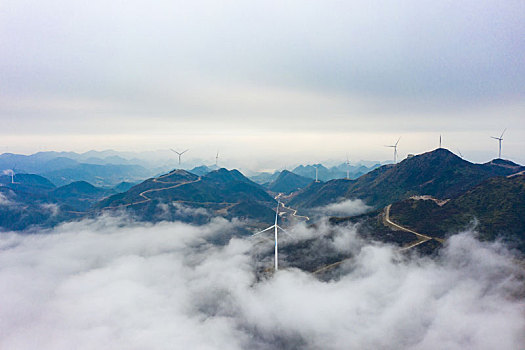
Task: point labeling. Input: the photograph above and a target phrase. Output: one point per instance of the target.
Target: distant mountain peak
(439, 153)
(225, 175)
(504, 163)
(288, 182)
(439, 173)
(78, 187)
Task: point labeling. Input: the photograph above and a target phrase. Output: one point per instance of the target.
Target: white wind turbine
(10, 172)
(347, 168)
(179, 153)
(395, 149)
(275, 226)
(316, 173)
(499, 140)
(217, 159)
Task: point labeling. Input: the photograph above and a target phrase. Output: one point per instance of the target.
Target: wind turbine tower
(316, 173)
(499, 140)
(395, 150)
(276, 248)
(179, 153)
(275, 226)
(347, 168)
(12, 173)
(440, 141)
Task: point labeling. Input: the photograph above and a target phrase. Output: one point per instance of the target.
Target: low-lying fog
(111, 283)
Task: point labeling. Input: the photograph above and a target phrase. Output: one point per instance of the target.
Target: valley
(414, 205)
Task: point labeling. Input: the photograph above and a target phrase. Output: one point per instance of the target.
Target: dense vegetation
(439, 173)
(288, 182)
(495, 208)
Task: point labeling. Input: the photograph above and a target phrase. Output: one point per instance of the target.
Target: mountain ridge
(439, 173)
(288, 182)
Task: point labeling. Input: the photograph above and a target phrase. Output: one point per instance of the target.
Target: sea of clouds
(111, 283)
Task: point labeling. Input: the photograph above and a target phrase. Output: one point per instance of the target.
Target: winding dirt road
(292, 210)
(421, 237)
(147, 199)
(294, 213)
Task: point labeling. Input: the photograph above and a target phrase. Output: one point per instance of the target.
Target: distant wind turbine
(217, 159)
(316, 173)
(179, 153)
(499, 140)
(461, 155)
(347, 168)
(395, 149)
(10, 172)
(439, 140)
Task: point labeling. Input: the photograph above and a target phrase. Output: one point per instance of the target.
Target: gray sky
(308, 79)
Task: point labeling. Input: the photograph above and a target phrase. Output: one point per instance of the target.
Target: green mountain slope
(28, 186)
(496, 207)
(222, 192)
(439, 173)
(288, 182)
(78, 196)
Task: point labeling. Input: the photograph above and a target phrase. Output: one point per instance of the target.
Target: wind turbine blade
(284, 231)
(185, 151)
(503, 133)
(173, 150)
(495, 138)
(266, 229)
(398, 140)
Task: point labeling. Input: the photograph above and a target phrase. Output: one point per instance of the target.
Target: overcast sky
(309, 79)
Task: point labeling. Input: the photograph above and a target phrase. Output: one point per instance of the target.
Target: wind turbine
(347, 168)
(12, 173)
(179, 153)
(395, 149)
(316, 173)
(499, 140)
(275, 226)
(461, 155)
(439, 140)
(217, 159)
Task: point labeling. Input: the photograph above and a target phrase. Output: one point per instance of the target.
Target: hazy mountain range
(108, 168)
(435, 192)
(323, 173)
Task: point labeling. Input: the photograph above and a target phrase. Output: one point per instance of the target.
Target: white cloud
(52, 208)
(110, 284)
(6, 201)
(348, 207)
